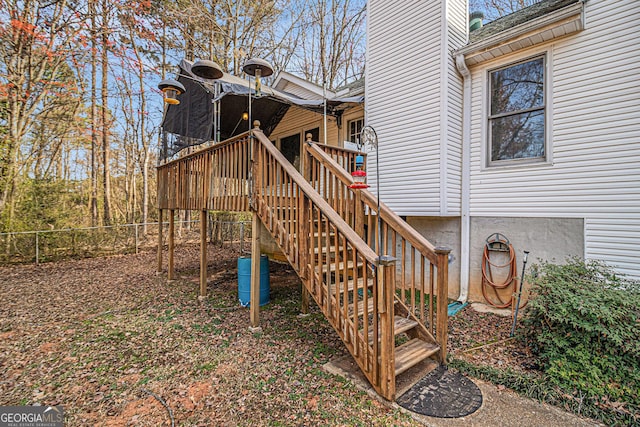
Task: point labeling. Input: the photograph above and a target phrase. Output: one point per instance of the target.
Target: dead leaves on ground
(93, 334)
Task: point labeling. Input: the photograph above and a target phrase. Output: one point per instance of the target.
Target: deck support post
(172, 229)
(203, 253)
(386, 289)
(305, 300)
(442, 289)
(160, 212)
(255, 271)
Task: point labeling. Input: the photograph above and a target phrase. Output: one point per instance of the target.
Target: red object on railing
(358, 179)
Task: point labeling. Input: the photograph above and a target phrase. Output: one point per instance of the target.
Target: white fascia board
(557, 24)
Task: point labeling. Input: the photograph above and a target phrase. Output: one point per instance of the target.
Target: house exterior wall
(297, 90)
(299, 120)
(550, 239)
(456, 33)
(442, 231)
(406, 79)
(593, 174)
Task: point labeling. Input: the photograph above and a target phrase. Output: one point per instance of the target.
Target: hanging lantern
(359, 175)
(171, 89)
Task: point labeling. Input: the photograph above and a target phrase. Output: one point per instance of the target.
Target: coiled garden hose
(487, 277)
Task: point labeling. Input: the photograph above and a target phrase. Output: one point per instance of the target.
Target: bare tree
(494, 9)
(62, 107)
(332, 43)
(106, 149)
(94, 113)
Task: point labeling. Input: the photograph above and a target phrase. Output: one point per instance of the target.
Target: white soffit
(286, 82)
(557, 24)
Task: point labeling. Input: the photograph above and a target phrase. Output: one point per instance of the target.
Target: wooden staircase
(386, 301)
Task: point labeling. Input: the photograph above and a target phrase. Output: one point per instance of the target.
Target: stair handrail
(201, 150)
(345, 157)
(435, 326)
(311, 193)
(378, 365)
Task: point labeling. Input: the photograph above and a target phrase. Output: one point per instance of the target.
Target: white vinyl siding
(457, 23)
(299, 91)
(408, 70)
(595, 139)
(614, 240)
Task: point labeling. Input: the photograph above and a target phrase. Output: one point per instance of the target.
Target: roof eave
(559, 23)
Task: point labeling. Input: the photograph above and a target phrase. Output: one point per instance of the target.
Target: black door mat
(442, 393)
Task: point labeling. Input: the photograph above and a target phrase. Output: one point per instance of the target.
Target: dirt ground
(117, 345)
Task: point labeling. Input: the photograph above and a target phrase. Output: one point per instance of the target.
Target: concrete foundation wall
(548, 239)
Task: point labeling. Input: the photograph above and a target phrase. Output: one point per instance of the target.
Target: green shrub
(583, 325)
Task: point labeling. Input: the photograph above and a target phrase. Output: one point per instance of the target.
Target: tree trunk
(106, 152)
(94, 117)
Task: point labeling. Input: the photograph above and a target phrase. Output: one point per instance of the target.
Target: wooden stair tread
(413, 352)
(332, 250)
(351, 284)
(317, 234)
(339, 266)
(400, 326)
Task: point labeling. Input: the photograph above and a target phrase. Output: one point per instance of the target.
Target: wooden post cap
(386, 260)
(256, 124)
(309, 136)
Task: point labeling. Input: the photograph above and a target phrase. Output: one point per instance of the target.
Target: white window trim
(548, 119)
(361, 119)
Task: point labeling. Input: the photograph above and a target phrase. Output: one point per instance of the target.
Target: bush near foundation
(583, 325)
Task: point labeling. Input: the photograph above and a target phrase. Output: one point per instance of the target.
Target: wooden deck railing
(214, 178)
(344, 157)
(422, 284)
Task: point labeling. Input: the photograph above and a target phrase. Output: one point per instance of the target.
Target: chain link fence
(54, 245)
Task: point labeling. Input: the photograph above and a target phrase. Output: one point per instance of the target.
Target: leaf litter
(111, 340)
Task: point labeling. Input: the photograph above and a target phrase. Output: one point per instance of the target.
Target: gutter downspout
(465, 220)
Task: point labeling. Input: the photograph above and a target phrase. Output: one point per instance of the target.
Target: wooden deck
(372, 275)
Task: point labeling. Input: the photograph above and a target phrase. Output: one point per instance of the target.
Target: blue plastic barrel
(244, 280)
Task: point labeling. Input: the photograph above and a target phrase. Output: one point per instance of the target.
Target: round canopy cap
(254, 64)
(170, 84)
(206, 69)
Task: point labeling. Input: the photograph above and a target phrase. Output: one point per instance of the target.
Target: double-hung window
(517, 113)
